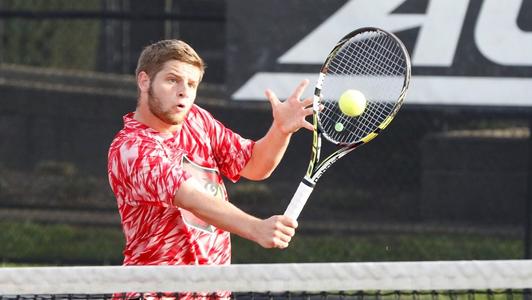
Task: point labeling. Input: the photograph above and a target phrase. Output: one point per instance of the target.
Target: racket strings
(386, 63)
(363, 124)
(373, 63)
(392, 62)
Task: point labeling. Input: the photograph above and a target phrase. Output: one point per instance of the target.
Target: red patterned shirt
(146, 168)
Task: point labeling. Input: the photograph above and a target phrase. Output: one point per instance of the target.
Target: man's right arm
(274, 232)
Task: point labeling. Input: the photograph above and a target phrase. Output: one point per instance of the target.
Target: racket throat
(314, 155)
(308, 181)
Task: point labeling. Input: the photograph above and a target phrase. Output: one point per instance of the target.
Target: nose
(183, 91)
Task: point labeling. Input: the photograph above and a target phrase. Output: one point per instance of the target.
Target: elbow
(188, 195)
(258, 175)
(181, 202)
(258, 171)
(263, 176)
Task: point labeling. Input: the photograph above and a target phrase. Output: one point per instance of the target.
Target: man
(165, 166)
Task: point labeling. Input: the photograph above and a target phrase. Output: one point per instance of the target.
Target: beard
(156, 107)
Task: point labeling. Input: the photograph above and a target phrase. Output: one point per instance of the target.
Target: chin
(171, 119)
(177, 120)
(174, 121)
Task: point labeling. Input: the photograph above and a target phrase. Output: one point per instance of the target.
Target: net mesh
(373, 63)
(397, 280)
(358, 295)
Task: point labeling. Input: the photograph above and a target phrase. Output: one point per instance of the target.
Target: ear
(143, 82)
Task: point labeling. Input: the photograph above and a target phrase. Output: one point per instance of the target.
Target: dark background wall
(66, 81)
(471, 176)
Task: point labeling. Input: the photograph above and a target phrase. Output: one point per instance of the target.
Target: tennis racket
(372, 62)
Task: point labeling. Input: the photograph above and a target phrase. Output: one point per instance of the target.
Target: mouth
(180, 107)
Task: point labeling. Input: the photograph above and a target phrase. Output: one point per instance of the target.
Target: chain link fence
(439, 183)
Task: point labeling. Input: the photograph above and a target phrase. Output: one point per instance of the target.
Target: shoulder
(201, 118)
(132, 133)
(132, 143)
(201, 113)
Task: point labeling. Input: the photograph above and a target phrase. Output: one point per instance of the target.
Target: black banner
(466, 52)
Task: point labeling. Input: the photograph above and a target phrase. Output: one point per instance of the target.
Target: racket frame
(316, 168)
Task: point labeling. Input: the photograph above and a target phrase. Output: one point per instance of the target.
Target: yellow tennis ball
(352, 103)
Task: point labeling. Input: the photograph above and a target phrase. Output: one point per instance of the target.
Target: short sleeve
(232, 152)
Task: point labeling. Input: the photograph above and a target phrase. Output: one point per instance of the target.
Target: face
(173, 91)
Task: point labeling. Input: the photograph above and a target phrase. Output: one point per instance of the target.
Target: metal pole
(528, 200)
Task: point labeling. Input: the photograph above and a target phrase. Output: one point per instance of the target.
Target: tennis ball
(339, 127)
(352, 103)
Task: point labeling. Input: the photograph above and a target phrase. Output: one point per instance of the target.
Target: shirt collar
(131, 124)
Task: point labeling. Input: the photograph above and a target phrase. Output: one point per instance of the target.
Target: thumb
(308, 125)
(272, 97)
(289, 221)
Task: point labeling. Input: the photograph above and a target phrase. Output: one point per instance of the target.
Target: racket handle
(298, 200)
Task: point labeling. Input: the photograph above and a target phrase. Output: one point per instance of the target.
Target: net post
(528, 200)
(528, 208)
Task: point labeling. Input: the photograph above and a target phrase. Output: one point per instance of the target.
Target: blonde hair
(154, 56)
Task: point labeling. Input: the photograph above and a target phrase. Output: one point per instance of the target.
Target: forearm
(221, 214)
(275, 231)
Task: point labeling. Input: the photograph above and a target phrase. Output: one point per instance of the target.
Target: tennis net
(449, 280)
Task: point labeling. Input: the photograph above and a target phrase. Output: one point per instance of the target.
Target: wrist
(250, 231)
(281, 130)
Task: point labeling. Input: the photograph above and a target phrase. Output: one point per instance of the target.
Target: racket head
(374, 62)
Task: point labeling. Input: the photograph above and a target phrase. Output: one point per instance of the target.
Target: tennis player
(166, 165)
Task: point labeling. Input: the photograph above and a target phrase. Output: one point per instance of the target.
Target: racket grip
(298, 201)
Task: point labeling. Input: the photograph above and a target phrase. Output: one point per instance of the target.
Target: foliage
(380, 247)
(55, 184)
(70, 44)
(62, 245)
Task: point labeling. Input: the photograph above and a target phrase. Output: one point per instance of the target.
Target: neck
(146, 117)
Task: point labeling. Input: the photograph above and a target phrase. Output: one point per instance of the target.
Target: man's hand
(275, 232)
(289, 116)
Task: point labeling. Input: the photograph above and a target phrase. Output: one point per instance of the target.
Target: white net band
(311, 277)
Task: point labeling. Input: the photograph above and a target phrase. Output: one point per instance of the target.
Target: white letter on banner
(314, 47)
(439, 35)
(497, 36)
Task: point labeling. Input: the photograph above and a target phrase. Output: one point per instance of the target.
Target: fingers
(307, 102)
(309, 111)
(285, 230)
(289, 116)
(288, 226)
(298, 92)
(282, 229)
(300, 89)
